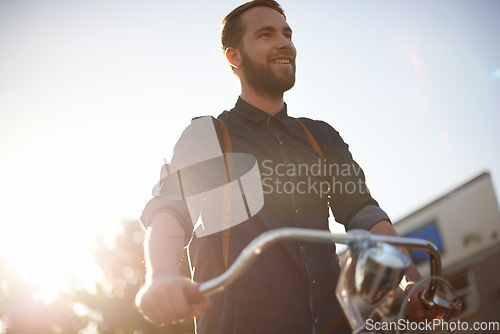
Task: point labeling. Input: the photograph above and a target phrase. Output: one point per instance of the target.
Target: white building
(465, 226)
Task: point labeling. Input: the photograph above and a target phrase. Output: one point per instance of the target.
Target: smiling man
(265, 57)
(291, 287)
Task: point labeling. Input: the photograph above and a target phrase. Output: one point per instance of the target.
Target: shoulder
(199, 138)
(328, 138)
(318, 127)
(211, 122)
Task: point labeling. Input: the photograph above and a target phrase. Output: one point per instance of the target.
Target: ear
(233, 57)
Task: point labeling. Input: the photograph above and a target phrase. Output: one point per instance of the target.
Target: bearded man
(291, 288)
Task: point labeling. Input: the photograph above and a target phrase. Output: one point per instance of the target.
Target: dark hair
(232, 30)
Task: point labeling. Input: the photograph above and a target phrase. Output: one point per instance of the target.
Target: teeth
(282, 61)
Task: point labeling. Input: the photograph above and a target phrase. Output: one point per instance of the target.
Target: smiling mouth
(282, 61)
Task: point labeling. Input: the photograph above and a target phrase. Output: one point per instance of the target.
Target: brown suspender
(228, 148)
(311, 139)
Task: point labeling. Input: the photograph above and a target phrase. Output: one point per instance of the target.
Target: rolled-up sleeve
(367, 217)
(350, 200)
(176, 208)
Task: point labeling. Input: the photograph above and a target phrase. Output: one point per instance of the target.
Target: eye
(288, 36)
(265, 35)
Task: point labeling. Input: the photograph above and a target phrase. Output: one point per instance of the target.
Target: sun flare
(52, 262)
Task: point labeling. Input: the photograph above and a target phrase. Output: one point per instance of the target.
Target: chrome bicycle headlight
(379, 270)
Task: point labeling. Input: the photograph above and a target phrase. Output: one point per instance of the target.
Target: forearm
(383, 228)
(162, 299)
(163, 246)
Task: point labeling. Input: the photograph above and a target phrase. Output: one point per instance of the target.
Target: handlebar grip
(193, 295)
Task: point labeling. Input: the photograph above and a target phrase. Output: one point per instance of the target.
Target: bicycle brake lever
(453, 308)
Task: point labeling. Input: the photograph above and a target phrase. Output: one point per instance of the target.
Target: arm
(162, 297)
(415, 311)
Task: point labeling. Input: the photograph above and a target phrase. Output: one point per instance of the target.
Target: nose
(285, 43)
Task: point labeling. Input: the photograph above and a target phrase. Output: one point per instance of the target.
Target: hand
(162, 300)
(416, 311)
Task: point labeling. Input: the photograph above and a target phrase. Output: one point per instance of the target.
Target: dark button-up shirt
(291, 287)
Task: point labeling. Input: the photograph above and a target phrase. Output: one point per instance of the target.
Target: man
(291, 288)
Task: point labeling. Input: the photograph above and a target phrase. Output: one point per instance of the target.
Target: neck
(271, 104)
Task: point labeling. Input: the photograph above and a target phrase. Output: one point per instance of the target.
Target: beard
(263, 79)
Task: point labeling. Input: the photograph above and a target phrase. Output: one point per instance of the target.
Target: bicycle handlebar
(269, 238)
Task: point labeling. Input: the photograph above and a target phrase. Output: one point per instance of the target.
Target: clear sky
(93, 95)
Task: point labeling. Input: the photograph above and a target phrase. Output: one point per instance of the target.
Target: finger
(155, 313)
(178, 303)
(200, 308)
(157, 308)
(159, 303)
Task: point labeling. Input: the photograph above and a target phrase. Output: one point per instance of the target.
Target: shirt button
(297, 211)
(314, 282)
(302, 248)
(316, 320)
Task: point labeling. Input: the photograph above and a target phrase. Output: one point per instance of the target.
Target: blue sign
(429, 232)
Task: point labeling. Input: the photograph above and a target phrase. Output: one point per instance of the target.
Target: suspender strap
(311, 139)
(316, 147)
(228, 148)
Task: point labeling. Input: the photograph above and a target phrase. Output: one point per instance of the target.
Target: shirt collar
(255, 114)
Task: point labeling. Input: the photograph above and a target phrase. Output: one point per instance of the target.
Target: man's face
(267, 52)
